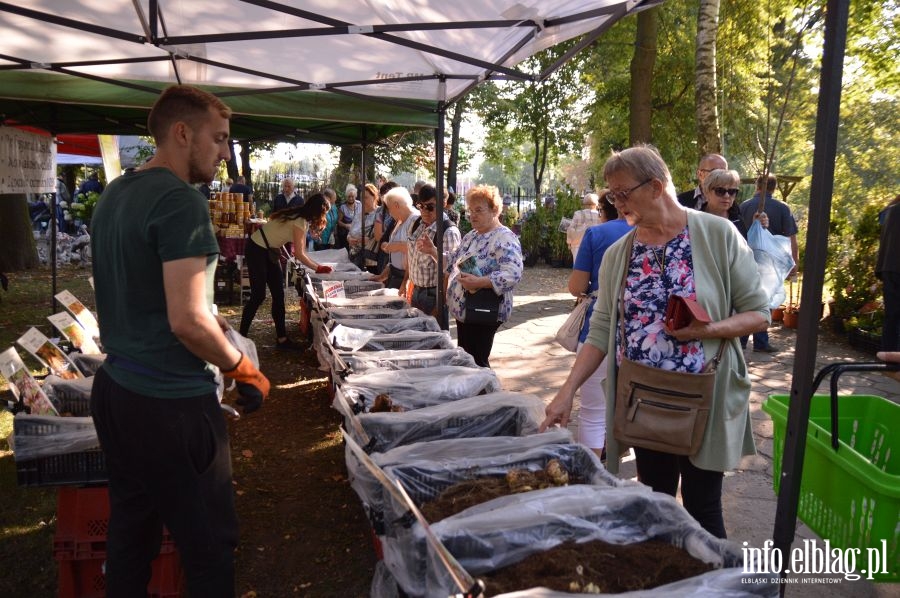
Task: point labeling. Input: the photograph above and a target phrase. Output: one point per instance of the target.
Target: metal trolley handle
(835, 370)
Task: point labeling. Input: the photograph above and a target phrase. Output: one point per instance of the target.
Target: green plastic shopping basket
(850, 489)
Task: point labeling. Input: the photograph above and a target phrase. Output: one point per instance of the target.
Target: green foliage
(534, 228)
(567, 202)
(543, 116)
(850, 267)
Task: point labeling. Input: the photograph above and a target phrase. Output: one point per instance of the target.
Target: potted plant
(791, 315)
(778, 313)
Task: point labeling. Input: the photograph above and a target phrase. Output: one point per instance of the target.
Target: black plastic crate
(64, 469)
(69, 469)
(865, 341)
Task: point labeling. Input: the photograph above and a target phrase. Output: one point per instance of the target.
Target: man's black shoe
(765, 349)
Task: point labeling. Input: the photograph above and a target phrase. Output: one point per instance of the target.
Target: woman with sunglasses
(720, 188)
(673, 250)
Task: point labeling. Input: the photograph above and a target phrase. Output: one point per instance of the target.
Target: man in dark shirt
(693, 198)
(781, 222)
(91, 184)
(241, 186)
(288, 198)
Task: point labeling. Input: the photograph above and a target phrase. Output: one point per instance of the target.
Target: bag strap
(711, 365)
(415, 225)
(265, 240)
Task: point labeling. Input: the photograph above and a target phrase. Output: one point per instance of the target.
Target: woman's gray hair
(641, 162)
(399, 196)
(720, 178)
(351, 188)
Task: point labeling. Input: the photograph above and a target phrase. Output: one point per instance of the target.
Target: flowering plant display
(82, 206)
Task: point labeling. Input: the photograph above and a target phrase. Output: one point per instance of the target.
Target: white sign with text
(27, 162)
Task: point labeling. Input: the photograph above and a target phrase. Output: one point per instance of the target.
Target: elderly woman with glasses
(484, 270)
(673, 251)
(720, 188)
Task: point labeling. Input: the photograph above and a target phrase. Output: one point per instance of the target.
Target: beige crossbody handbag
(660, 409)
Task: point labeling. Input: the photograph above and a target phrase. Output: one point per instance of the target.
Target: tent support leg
(822, 186)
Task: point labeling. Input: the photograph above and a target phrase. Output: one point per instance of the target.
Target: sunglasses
(427, 207)
(722, 192)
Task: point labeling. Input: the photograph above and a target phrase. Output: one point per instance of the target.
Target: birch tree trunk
(708, 139)
(642, 63)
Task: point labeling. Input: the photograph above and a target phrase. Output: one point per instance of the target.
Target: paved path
(528, 360)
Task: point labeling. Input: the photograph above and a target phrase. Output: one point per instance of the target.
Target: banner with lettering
(27, 162)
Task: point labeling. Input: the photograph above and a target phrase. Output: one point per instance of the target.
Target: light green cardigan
(726, 281)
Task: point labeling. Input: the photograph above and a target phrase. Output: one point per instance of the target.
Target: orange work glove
(246, 373)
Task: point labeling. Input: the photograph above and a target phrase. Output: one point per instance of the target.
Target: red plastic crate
(82, 519)
(85, 578)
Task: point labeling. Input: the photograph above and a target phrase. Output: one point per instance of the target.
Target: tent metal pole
(822, 186)
(54, 224)
(442, 316)
(360, 197)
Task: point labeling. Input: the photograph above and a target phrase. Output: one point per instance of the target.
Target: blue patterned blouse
(646, 295)
(498, 254)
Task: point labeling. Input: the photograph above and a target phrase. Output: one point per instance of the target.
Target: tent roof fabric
(302, 70)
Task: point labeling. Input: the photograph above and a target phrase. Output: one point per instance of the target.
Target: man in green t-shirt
(154, 401)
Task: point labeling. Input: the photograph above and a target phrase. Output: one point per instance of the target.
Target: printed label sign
(27, 162)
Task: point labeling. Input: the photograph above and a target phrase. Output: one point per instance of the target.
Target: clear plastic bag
(368, 302)
(357, 339)
(417, 388)
(357, 313)
(474, 430)
(389, 325)
(87, 364)
(69, 397)
(404, 546)
(506, 530)
(37, 436)
(773, 260)
(372, 361)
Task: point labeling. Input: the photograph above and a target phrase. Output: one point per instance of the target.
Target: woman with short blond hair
(489, 257)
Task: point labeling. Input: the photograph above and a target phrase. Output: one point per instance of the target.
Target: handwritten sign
(27, 162)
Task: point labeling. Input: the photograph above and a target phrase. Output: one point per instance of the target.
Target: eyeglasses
(427, 207)
(479, 210)
(722, 192)
(622, 196)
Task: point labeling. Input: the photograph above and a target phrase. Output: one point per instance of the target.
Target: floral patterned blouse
(646, 295)
(497, 254)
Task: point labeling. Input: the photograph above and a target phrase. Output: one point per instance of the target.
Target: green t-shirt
(143, 219)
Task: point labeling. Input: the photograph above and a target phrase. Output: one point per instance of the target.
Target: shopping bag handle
(835, 370)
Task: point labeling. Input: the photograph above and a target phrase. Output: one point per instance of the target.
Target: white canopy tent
(296, 70)
(350, 72)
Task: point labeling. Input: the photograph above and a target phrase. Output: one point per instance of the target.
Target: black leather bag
(483, 307)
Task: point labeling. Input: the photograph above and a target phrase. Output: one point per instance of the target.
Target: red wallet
(681, 311)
